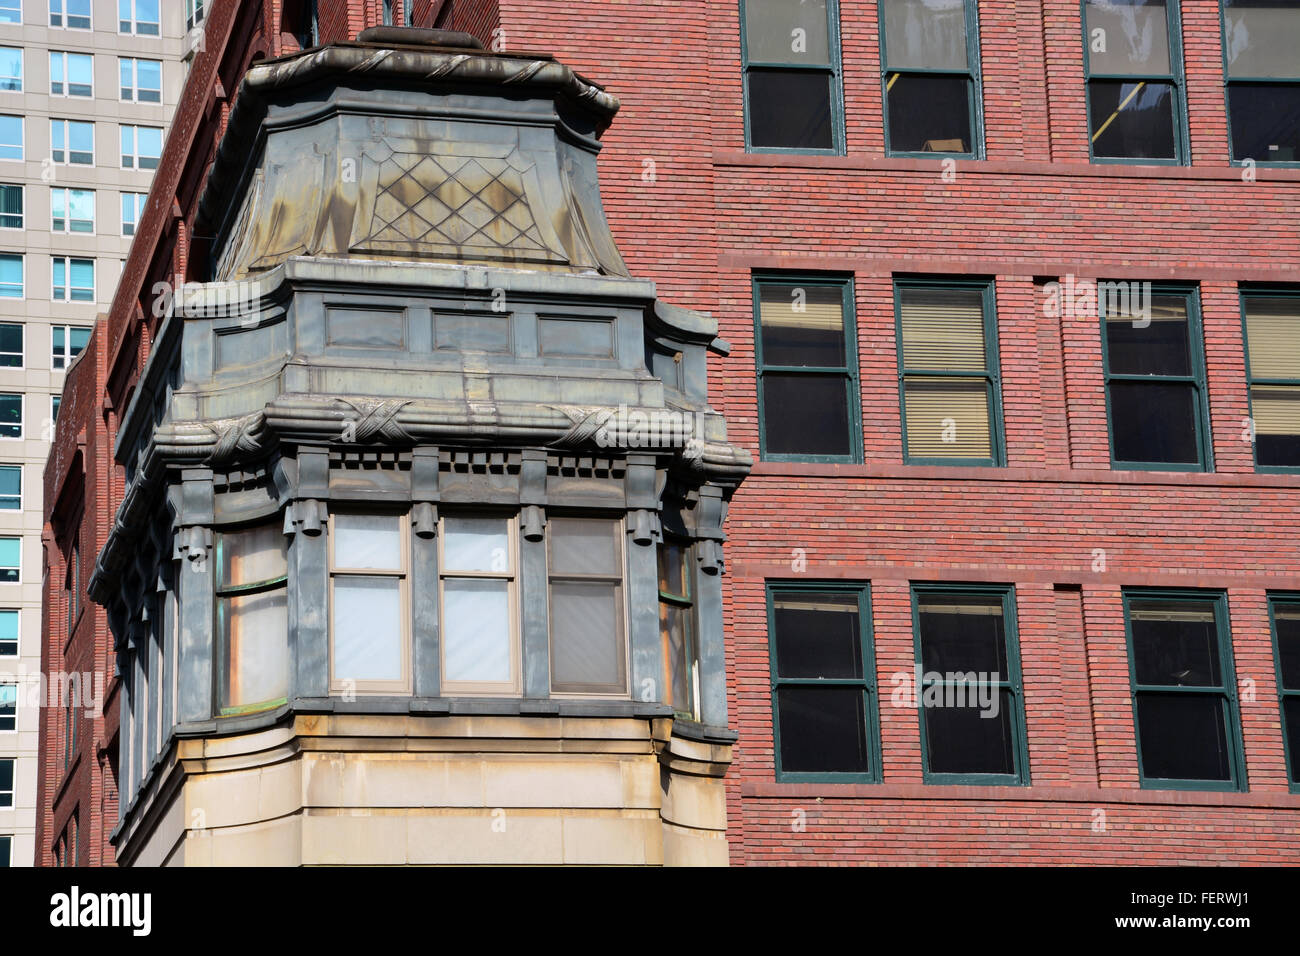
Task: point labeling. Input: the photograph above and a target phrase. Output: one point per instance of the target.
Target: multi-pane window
(807, 369)
(72, 142)
(949, 381)
(10, 560)
(194, 14)
(11, 275)
(11, 345)
(1260, 40)
(139, 17)
(681, 654)
(11, 417)
(252, 618)
(55, 402)
(72, 14)
(1273, 368)
(478, 590)
(11, 487)
(141, 147)
(8, 707)
(968, 685)
(791, 73)
(9, 632)
(11, 137)
(824, 703)
(1184, 693)
(11, 11)
(1155, 376)
(11, 69)
(1285, 611)
(141, 80)
(299, 18)
(72, 210)
(388, 13)
(930, 53)
(11, 206)
(132, 212)
(585, 571)
(1134, 77)
(72, 74)
(370, 625)
(67, 341)
(6, 782)
(72, 280)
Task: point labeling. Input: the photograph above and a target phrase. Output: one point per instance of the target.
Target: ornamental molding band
(424, 507)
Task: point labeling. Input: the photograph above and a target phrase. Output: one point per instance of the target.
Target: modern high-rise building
(87, 88)
(1002, 301)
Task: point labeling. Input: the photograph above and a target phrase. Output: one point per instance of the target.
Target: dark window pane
(960, 739)
(1286, 618)
(802, 324)
(962, 633)
(1141, 344)
(1132, 120)
(1291, 713)
(1175, 643)
(817, 635)
(929, 114)
(806, 414)
(790, 109)
(1154, 422)
(1183, 737)
(1275, 410)
(1277, 451)
(823, 730)
(1265, 120)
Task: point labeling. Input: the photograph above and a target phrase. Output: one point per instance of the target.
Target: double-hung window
(11, 275)
(140, 80)
(588, 630)
(6, 782)
(1155, 376)
(11, 206)
(369, 597)
(8, 707)
(252, 619)
(677, 630)
(11, 553)
(11, 426)
(67, 341)
(11, 491)
(11, 345)
(72, 142)
(72, 74)
(11, 69)
(141, 147)
(949, 380)
(1284, 609)
(73, 280)
(791, 62)
(479, 597)
(1272, 321)
(11, 137)
(72, 210)
(193, 13)
(11, 11)
(9, 631)
(70, 14)
(930, 52)
(824, 706)
(132, 212)
(1260, 43)
(139, 17)
(808, 401)
(1184, 692)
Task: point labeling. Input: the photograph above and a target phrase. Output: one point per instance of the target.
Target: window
(808, 401)
(11, 137)
(67, 341)
(388, 13)
(1260, 39)
(11, 489)
(141, 79)
(369, 601)
(73, 280)
(949, 381)
(823, 683)
(193, 13)
(6, 842)
(55, 401)
(69, 734)
(9, 632)
(139, 17)
(1184, 692)
(72, 583)
(930, 50)
(141, 147)
(72, 14)
(72, 210)
(72, 74)
(132, 211)
(11, 276)
(11, 11)
(11, 345)
(1284, 611)
(791, 70)
(6, 782)
(252, 619)
(11, 206)
(8, 707)
(1155, 378)
(299, 18)
(1273, 368)
(11, 422)
(11, 69)
(72, 142)
(681, 655)
(480, 643)
(588, 642)
(10, 560)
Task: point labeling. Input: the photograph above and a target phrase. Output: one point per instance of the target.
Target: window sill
(899, 472)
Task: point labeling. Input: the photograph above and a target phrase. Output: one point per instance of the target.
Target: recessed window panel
(791, 75)
(802, 325)
(961, 739)
(962, 634)
(925, 34)
(806, 414)
(1261, 38)
(1183, 737)
(1175, 643)
(779, 31)
(823, 730)
(368, 628)
(1159, 344)
(817, 635)
(476, 631)
(1126, 37)
(1265, 121)
(929, 114)
(790, 109)
(1152, 422)
(1132, 119)
(476, 544)
(586, 624)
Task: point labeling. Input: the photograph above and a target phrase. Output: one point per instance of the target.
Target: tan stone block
(280, 789)
(699, 802)
(223, 799)
(613, 839)
(553, 782)
(356, 837)
(684, 847)
(641, 783)
(271, 843)
(503, 836)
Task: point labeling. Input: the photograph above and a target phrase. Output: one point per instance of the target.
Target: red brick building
(951, 436)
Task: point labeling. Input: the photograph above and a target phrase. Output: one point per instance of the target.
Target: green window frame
(1009, 688)
(1135, 85)
(823, 290)
(804, 63)
(1224, 690)
(1272, 340)
(1278, 83)
(1286, 606)
(896, 69)
(854, 597)
(1195, 378)
(921, 373)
